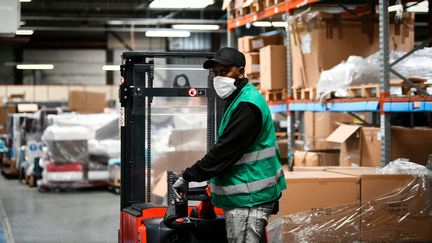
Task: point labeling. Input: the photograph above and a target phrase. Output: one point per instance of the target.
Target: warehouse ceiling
(87, 22)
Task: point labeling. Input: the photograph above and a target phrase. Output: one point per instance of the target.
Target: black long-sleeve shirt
(241, 132)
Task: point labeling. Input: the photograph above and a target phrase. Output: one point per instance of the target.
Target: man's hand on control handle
(180, 187)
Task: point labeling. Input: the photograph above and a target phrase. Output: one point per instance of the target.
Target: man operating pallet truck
(246, 177)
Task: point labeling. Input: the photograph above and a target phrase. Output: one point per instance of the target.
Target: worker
(244, 169)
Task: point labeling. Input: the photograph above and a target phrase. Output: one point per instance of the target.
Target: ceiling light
(22, 23)
(195, 26)
(25, 1)
(422, 7)
(280, 24)
(111, 67)
(35, 66)
(167, 33)
(262, 24)
(180, 4)
(24, 32)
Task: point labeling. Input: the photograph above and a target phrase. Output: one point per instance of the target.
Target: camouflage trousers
(247, 225)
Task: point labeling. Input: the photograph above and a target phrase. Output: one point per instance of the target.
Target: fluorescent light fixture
(167, 33)
(22, 23)
(35, 66)
(25, 1)
(280, 24)
(24, 32)
(262, 24)
(422, 7)
(195, 26)
(111, 67)
(180, 4)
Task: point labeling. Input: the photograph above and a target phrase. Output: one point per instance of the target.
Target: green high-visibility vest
(257, 177)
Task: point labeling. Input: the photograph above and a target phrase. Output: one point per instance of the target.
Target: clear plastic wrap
(402, 216)
(101, 126)
(67, 144)
(109, 148)
(358, 70)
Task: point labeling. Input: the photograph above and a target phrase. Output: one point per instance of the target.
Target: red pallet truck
(143, 85)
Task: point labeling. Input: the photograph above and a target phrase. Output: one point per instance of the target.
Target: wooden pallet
(305, 94)
(269, 3)
(256, 7)
(364, 90)
(274, 95)
(406, 89)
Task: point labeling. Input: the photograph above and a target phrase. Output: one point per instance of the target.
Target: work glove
(180, 187)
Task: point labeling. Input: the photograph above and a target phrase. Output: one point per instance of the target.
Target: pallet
(269, 3)
(256, 7)
(305, 94)
(274, 95)
(406, 89)
(364, 91)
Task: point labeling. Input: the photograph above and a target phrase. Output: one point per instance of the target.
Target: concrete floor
(76, 216)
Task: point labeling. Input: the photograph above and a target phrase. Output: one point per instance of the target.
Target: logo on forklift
(193, 92)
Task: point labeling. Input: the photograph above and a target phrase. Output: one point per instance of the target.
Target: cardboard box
(362, 145)
(283, 148)
(87, 102)
(390, 213)
(273, 67)
(313, 190)
(254, 43)
(319, 125)
(252, 64)
(316, 158)
(4, 111)
(320, 41)
(348, 137)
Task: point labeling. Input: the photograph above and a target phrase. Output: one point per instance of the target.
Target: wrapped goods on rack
(320, 40)
(358, 70)
(101, 126)
(402, 214)
(67, 144)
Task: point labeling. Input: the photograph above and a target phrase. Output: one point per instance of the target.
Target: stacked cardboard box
(361, 145)
(384, 207)
(255, 65)
(319, 41)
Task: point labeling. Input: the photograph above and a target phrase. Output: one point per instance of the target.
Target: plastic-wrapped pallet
(358, 70)
(405, 215)
(67, 144)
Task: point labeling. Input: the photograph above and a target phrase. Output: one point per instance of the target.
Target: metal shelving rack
(384, 104)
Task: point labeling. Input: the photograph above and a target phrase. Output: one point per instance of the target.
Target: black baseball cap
(226, 56)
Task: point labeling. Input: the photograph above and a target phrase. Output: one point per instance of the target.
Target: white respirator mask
(224, 86)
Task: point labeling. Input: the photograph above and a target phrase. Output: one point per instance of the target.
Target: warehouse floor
(77, 216)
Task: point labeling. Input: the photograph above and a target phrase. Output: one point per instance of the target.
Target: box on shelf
(319, 125)
(252, 64)
(362, 145)
(319, 41)
(316, 158)
(315, 190)
(87, 102)
(273, 67)
(254, 43)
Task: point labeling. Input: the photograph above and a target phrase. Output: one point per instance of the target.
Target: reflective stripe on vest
(257, 155)
(247, 187)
